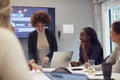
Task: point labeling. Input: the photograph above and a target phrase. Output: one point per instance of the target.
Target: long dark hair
(93, 35)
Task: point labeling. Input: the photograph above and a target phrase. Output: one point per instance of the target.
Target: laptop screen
(61, 59)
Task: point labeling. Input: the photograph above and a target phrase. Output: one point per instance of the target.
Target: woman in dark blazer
(41, 42)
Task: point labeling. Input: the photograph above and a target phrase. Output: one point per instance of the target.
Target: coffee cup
(107, 70)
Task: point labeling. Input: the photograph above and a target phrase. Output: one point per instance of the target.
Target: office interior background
(98, 14)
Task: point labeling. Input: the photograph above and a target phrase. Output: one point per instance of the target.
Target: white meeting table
(41, 75)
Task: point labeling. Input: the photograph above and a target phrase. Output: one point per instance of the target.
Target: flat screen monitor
(20, 19)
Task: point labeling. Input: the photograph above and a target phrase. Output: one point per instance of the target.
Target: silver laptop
(61, 59)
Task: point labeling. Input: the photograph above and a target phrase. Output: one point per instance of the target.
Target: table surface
(37, 75)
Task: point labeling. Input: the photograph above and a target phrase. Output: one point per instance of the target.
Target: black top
(95, 53)
(32, 44)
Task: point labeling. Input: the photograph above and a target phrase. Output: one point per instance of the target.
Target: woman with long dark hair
(90, 47)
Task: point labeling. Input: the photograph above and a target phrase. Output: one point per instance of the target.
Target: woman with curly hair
(41, 42)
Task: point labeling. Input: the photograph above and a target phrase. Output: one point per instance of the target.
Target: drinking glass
(91, 66)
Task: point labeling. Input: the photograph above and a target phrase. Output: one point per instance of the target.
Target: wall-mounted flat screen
(20, 19)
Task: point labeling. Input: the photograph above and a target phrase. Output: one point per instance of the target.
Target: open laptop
(61, 59)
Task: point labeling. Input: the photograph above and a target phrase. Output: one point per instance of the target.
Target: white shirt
(13, 65)
(42, 46)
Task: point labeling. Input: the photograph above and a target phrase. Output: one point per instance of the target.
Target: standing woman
(13, 65)
(41, 42)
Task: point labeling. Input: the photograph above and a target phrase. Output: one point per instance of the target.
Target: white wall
(77, 12)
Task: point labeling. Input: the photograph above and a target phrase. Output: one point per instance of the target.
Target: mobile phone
(77, 69)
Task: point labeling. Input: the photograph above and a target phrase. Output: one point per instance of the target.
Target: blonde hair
(5, 9)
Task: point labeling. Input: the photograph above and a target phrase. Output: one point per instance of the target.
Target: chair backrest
(106, 58)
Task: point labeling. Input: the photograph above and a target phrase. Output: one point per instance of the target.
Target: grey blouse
(114, 59)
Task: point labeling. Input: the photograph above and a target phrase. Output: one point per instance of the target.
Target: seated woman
(90, 47)
(115, 56)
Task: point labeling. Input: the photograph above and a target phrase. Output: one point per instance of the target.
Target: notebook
(61, 59)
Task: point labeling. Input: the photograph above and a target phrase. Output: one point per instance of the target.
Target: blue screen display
(20, 19)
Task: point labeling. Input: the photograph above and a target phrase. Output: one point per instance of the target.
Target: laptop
(61, 59)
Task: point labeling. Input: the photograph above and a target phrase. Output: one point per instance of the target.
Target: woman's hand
(86, 64)
(85, 46)
(45, 60)
(33, 65)
(74, 64)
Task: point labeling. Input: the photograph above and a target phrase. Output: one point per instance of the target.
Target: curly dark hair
(40, 16)
(116, 27)
(93, 35)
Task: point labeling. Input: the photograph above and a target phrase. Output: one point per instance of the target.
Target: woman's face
(114, 37)
(40, 26)
(83, 36)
